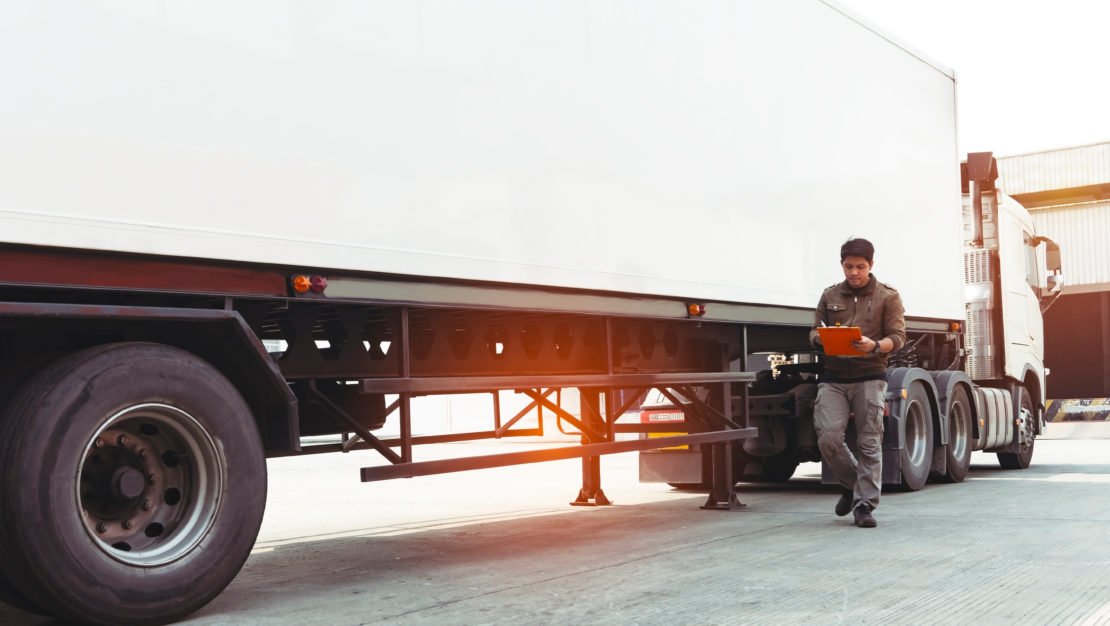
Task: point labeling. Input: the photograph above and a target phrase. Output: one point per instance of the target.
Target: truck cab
(1012, 275)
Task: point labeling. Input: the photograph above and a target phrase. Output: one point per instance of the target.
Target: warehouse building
(1068, 193)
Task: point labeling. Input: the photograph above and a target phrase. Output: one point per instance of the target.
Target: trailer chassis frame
(597, 427)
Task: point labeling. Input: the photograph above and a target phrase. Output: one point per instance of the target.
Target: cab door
(1022, 324)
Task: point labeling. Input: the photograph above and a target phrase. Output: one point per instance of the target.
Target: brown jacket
(876, 308)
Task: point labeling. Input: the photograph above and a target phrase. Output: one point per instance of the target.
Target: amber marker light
(301, 283)
(695, 310)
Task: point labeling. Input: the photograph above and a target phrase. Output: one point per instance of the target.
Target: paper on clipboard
(838, 340)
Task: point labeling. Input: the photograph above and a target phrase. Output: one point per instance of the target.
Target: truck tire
(9, 596)
(958, 451)
(1022, 458)
(133, 485)
(778, 468)
(916, 454)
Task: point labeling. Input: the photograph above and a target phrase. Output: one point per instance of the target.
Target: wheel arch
(899, 380)
(220, 337)
(946, 383)
(1031, 380)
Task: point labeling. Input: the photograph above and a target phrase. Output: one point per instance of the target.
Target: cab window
(1030, 261)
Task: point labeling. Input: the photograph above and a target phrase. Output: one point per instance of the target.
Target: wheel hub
(127, 483)
(149, 485)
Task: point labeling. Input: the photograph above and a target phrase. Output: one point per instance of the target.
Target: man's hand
(865, 344)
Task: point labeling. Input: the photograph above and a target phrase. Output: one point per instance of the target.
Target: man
(857, 384)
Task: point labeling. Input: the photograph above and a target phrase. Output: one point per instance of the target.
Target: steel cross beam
(534, 404)
(708, 411)
(535, 395)
(359, 429)
(627, 404)
(429, 385)
(445, 466)
(350, 443)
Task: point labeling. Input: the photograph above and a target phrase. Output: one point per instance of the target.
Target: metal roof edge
(1070, 206)
(875, 28)
(1040, 152)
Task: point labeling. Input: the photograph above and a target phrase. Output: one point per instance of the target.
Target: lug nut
(152, 479)
(122, 440)
(128, 524)
(99, 442)
(101, 527)
(143, 453)
(147, 504)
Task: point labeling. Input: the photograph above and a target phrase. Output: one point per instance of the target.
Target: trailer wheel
(133, 485)
(10, 596)
(917, 447)
(778, 468)
(8, 593)
(959, 436)
(1022, 458)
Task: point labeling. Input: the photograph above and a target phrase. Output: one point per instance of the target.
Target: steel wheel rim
(959, 430)
(149, 485)
(1027, 423)
(915, 433)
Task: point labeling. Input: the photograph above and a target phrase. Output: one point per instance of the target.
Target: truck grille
(978, 266)
(982, 360)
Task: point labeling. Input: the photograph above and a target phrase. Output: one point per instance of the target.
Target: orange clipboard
(838, 340)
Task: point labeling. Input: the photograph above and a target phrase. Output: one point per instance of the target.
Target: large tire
(12, 377)
(960, 435)
(778, 468)
(133, 485)
(917, 447)
(1022, 458)
(9, 595)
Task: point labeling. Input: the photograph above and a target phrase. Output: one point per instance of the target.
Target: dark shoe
(864, 519)
(844, 504)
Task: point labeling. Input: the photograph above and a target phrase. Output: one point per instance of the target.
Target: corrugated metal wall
(1083, 232)
(1067, 192)
(1056, 169)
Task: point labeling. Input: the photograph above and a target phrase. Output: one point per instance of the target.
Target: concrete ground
(502, 546)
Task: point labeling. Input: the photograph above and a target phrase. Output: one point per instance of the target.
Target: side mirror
(1054, 281)
(1051, 254)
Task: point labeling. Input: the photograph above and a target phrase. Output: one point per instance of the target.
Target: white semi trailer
(229, 227)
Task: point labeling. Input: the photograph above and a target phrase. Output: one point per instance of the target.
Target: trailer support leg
(722, 495)
(591, 493)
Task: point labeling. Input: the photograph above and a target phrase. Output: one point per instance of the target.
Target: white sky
(1031, 75)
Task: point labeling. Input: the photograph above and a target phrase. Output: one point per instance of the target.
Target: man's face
(856, 270)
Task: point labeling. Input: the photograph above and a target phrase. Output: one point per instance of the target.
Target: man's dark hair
(857, 246)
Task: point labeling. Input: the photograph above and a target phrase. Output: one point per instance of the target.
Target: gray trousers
(864, 400)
